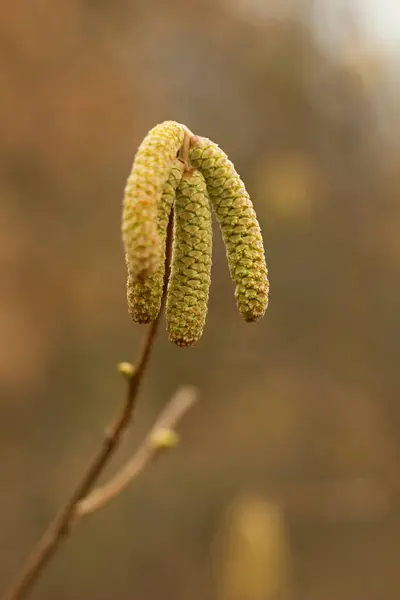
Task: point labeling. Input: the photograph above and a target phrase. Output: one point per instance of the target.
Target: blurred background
(292, 454)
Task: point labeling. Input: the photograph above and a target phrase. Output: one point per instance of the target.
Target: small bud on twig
(126, 369)
(164, 438)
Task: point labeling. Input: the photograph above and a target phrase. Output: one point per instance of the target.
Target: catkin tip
(182, 343)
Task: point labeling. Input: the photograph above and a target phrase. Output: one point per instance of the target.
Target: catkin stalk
(189, 284)
(150, 171)
(239, 227)
(144, 297)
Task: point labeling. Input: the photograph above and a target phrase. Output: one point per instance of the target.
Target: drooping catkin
(239, 227)
(144, 297)
(142, 197)
(189, 283)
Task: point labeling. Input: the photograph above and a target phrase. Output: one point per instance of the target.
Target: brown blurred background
(301, 410)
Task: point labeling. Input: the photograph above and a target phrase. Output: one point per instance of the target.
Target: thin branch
(160, 438)
(59, 529)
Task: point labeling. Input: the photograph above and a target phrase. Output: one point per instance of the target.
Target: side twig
(59, 529)
(161, 437)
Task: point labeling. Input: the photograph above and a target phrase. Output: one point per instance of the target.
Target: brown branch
(160, 438)
(59, 529)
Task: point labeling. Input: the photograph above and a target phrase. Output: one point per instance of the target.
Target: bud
(144, 297)
(126, 369)
(164, 438)
(142, 198)
(239, 227)
(189, 284)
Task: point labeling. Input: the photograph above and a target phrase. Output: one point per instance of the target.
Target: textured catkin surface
(239, 227)
(142, 197)
(189, 284)
(144, 298)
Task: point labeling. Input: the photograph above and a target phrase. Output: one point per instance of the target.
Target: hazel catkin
(144, 297)
(142, 198)
(189, 283)
(239, 227)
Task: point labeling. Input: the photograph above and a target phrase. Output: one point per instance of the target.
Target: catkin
(239, 227)
(150, 171)
(144, 297)
(189, 284)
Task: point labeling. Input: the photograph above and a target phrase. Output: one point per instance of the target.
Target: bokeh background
(299, 419)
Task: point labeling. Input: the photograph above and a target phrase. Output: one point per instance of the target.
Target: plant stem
(59, 529)
(147, 452)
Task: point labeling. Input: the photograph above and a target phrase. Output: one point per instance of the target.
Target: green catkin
(142, 198)
(239, 227)
(189, 284)
(144, 297)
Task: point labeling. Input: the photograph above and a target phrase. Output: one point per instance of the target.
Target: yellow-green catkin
(144, 297)
(142, 197)
(189, 283)
(239, 227)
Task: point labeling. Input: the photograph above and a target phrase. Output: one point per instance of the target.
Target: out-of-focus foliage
(304, 405)
(253, 559)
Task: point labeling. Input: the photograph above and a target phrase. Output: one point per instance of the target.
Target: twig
(59, 529)
(160, 437)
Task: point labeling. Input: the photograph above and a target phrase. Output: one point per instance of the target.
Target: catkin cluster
(176, 171)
